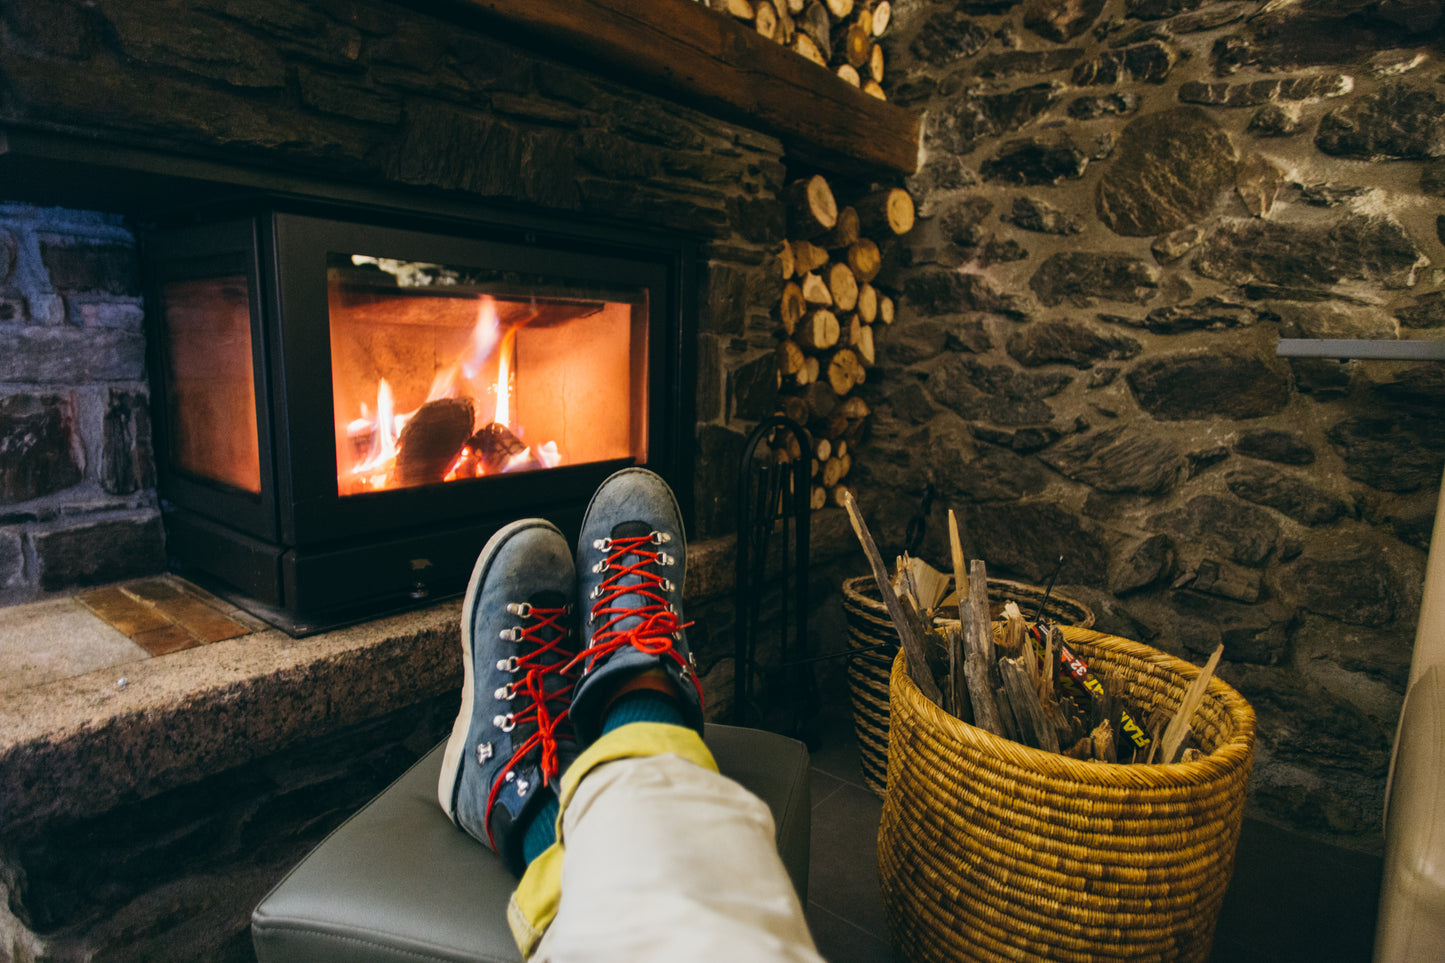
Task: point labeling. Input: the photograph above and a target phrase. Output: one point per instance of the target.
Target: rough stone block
(75, 265)
(12, 558)
(1170, 169)
(1395, 122)
(1064, 342)
(39, 452)
(1215, 385)
(947, 37)
(1077, 277)
(753, 388)
(1270, 444)
(1346, 580)
(99, 552)
(1118, 460)
(1217, 524)
(192, 41)
(69, 356)
(1061, 20)
(127, 459)
(1291, 495)
(1001, 394)
(1036, 162)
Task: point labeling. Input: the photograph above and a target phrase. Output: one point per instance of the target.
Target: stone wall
(77, 479)
(1124, 204)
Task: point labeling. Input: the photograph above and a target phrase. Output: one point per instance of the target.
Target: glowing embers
(435, 382)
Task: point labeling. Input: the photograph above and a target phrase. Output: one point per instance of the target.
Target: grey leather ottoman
(398, 882)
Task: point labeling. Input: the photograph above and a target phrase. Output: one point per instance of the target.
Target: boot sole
(454, 757)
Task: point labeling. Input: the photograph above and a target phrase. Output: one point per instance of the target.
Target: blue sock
(642, 705)
(541, 831)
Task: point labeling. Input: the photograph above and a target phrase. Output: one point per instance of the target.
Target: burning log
(433, 436)
(496, 447)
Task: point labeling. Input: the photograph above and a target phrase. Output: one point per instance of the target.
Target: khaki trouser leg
(665, 859)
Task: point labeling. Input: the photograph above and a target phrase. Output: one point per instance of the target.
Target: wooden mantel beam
(683, 50)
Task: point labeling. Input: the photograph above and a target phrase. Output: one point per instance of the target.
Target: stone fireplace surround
(145, 819)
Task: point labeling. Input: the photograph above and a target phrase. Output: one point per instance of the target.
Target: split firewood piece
(882, 17)
(874, 89)
(1010, 642)
(1028, 712)
(890, 210)
(917, 661)
(845, 371)
(795, 7)
(864, 346)
(790, 358)
(1081, 749)
(432, 439)
(496, 446)
(1102, 742)
(815, 290)
(790, 307)
(823, 449)
(929, 584)
(812, 371)
(765, 20)
(851, 331)
(815, 24)
(867, 302)
(1178, 728)
(742, 9)
(960, 579)
(821, 400)
(864, 259)
(804, 46)
(1008, 725)
(840, 447)
(786, 262)
(843, 285)
(875, 62)
(794, 408)
(819, 497)
(840, 8)
(978, 657)
(808, 256)
(957, 689)
(851, 44)
(787, 29)
(812, 209)
(818, 331)
(836, 469)
(854, 409)
(849, 75)
(885, 309)
(844, 232)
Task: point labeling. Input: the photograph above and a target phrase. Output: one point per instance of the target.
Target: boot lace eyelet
(507, 665)
(506, 693)
(600, 567)
(524, 609)
(602, 544)
(504, 722)
(661, 538)
(514, 634)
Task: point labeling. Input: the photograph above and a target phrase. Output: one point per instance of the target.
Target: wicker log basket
(990, 850)
(869, 625)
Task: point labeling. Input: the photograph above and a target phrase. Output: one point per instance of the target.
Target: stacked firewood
(841, 35)
(1017, 679)
(828, 313)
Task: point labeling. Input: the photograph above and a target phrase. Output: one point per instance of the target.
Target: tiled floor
(1291, 899)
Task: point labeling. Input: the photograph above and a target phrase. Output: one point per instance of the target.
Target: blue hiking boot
(631, 559)
(513, 738)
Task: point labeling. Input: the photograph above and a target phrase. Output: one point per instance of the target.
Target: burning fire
(449, 436)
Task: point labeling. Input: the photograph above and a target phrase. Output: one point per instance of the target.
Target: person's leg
(659, 856)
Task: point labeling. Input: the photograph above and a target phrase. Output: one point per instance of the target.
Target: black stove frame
(305, 558)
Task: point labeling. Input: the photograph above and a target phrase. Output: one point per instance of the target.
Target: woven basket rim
(1223, 761)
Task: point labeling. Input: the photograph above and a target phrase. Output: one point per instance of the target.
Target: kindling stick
(917, 660)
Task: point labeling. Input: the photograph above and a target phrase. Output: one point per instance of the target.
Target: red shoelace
(532, 689)
(657, 627)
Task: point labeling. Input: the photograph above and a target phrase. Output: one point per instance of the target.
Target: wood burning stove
(348, 406)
